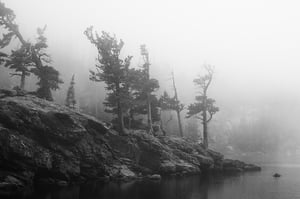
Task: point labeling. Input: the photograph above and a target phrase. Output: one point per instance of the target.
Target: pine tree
(145, 86)
(137, 99)
(172, 103)
(47, 75)
(70, 100)
(203, 104)
(7, 17)
(20, 61)
(114, 71)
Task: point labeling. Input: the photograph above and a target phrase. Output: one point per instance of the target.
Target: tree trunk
(204, 122)
(22, 84)
(44, 92)
(147, 66)
(150, 129)
(162, 124)
(179, 123)
(177, 110)
(205, 137)
(119, 110)
(120, 119)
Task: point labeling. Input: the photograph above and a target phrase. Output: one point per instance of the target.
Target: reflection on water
(256, 185)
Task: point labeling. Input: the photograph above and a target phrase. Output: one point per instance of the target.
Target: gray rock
(13, 180)
(54, 144)
(126, 173)
(154, 177)
(236, 165)
(167, 167)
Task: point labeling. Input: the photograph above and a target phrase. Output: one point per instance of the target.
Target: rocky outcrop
(238, 166)
(44, 142)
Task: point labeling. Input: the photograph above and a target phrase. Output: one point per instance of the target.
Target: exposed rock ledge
(43, 142)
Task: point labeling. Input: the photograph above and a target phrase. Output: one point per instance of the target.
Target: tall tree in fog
(70, 100)
(112, 70)
(34, 53)
(178, 106)
(204, 107)
(142, 89)
(48, 76)
(147, 86)
(19, 60)
(137, 97)
(172, 103)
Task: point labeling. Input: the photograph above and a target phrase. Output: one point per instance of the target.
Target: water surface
(252, 185)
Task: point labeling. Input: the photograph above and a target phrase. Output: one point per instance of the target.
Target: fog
(254, 46)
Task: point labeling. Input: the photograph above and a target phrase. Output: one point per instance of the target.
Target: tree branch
(210, 117)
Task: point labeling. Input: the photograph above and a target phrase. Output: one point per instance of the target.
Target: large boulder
(50, 141)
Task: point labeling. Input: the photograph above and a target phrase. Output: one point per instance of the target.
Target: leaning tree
(33, 55)
(204, 108)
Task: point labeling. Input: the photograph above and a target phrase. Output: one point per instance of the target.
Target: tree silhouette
(48, 76)
(172, 103)
(112, 70)
(34, 53)
(20, 61)
(146, 86)
(203, 105)
(70, 100)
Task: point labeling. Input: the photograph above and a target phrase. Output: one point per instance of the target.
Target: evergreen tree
(48, 76)
(70, 100)
(172, 103)
(142, 89)
(203, 104)
(20, 61)
(34, 53)
(7, 17)
(145, 86)
(114, 71)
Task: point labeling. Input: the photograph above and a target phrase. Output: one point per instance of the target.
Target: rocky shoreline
(46, 143)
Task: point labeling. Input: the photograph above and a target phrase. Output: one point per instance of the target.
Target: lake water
(251, 185)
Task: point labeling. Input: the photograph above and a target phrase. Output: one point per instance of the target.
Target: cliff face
(41, 141)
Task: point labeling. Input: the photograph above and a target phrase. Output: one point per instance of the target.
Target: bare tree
(178, 106)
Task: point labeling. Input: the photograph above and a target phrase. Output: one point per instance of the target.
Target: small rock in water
(276, 175)
(62, 183)
(154, 177)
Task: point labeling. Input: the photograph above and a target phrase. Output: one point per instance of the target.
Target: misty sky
(254, 45)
